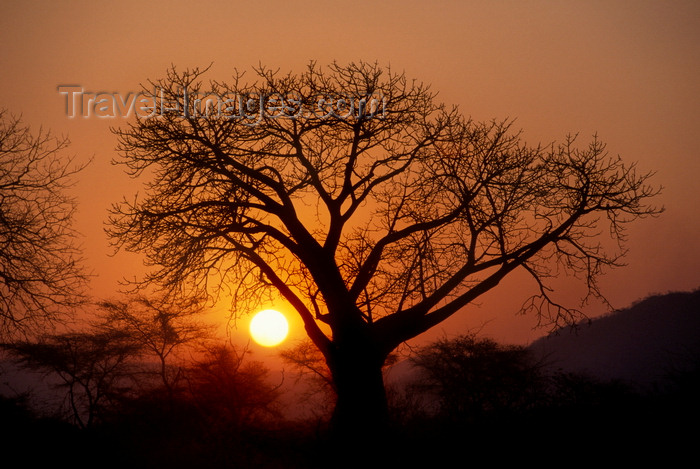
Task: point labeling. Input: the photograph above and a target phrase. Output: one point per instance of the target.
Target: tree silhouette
(160, 327)
(311, 369)
(40, 275)
(469, 377)
(230, 392)
(376, 212)
(92, 366)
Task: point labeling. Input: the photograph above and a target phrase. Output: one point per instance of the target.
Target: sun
(269, 328)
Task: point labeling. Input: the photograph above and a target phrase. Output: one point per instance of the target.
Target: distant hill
(640, 345)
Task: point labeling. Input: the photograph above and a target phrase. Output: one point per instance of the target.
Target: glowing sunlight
(269, 328)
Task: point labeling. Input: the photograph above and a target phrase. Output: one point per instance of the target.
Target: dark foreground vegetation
(462, 400)
(373, 228)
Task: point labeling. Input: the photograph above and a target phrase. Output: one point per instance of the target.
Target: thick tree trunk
(361, 413)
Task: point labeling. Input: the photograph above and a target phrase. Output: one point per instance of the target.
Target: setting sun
(269, 328)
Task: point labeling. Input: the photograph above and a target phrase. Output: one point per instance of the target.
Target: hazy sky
(627, 70)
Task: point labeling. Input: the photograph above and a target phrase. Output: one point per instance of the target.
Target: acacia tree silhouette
(375, 221)
(93, 367)
(161, 329)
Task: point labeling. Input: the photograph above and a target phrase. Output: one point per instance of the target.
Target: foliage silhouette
(469, 377)
(93, 367)
(227, 417)
(229, 389)
(227, 402)
(161, 328)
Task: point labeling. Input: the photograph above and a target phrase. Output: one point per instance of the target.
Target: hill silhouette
(644, 345)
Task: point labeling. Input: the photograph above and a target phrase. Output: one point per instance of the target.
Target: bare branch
(41, 277)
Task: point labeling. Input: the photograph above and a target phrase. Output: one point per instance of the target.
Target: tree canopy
(374, 210)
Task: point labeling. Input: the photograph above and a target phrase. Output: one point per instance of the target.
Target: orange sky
(629, 71)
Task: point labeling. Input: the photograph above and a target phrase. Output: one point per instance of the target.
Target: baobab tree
(374, 210)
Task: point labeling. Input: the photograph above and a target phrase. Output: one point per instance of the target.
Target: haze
(626, 71)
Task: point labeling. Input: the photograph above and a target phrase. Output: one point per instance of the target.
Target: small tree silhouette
(230, 392)
(93, 367)
(160, 327)
(469, 377)
(312, 372)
